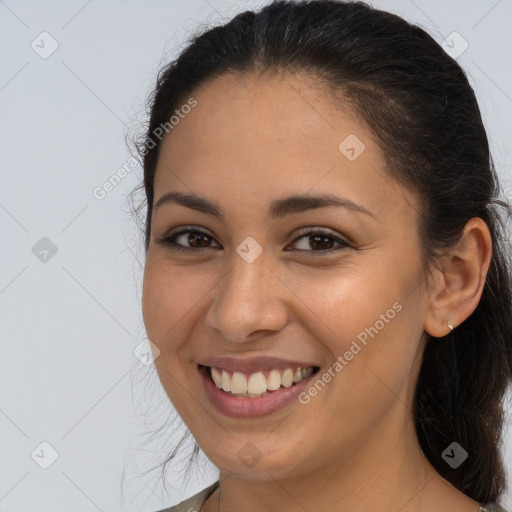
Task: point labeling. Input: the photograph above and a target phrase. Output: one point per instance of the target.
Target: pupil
(320, 245)
(196, 237)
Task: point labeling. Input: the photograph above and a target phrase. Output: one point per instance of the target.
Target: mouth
(255, 394)
(257, 384)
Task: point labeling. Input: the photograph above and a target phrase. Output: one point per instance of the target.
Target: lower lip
(238, 407)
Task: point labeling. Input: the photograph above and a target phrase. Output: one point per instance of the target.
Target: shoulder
(195, 502)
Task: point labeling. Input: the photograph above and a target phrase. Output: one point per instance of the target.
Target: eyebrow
(278, 208)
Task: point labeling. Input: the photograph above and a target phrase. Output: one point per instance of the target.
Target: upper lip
(253, 364)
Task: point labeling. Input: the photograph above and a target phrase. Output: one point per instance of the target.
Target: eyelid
(311, 230)
(185, 229)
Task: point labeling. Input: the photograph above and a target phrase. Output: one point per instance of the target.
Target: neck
(387, 472)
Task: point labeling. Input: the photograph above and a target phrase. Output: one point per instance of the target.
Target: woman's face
(259, 281)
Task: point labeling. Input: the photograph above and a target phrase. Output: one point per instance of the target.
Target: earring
(451, 327)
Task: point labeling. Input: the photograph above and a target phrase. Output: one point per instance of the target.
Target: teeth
(287, 378)
(306, 372)
(274, 380)
(217, 377)
(256, 385)
(226, 381)
(238, 383)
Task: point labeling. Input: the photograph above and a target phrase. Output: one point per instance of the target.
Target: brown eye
(317, 241)
(198, 239)
(187, 240)
(321, 240)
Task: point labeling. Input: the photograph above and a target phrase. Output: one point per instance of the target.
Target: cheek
(156, 301)
(366, 315)
(167, 307)
(169, 296)
(342, 302)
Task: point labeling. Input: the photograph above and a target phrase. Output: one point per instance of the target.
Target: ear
(459, 279)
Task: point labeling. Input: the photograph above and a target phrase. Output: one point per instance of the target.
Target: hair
(418, 104)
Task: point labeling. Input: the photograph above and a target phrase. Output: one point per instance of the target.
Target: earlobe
(459, 280)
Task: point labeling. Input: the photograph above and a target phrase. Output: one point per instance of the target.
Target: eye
(321, 240)
(196, 238)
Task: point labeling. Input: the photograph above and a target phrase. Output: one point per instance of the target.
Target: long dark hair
(418, 103)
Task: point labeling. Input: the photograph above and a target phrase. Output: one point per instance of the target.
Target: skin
(249, 141)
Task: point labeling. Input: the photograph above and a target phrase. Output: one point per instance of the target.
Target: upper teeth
(256, 383)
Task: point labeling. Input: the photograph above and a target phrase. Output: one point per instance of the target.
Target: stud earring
(450, 326)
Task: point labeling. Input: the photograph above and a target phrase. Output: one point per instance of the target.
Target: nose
(249, 303)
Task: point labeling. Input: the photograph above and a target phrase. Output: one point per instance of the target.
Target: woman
(327, 278)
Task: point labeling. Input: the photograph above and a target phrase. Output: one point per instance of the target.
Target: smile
(249, 395)
(258, 384)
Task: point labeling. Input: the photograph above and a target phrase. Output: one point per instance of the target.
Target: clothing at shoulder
(492, 507)
(194, 503)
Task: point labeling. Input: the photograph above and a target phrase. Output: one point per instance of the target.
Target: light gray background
(70, 324)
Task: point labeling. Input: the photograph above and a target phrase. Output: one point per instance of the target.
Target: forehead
(272, 134)
(265, 108)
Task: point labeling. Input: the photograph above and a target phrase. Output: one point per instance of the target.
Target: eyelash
(170, 240)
